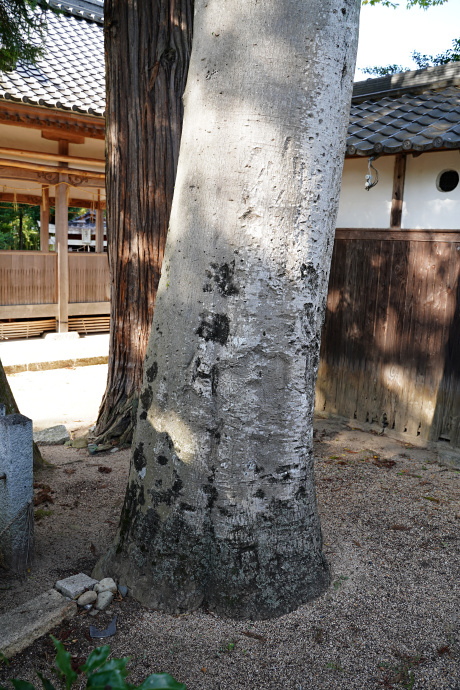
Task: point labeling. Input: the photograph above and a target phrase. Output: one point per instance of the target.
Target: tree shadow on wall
(389, 351)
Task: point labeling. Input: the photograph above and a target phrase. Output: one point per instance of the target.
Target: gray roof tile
(411, 111)
(72, 70)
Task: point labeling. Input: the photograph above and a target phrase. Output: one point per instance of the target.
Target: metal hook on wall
(371, 180)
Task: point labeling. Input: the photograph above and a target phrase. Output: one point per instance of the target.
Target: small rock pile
(92, 595)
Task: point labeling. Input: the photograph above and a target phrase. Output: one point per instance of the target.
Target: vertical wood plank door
(390, 351)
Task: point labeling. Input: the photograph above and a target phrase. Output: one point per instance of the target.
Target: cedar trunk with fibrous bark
(148, 46)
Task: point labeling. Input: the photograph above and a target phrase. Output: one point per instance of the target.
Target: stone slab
(73, 335)
(23, 625)
(16, 491)
(53, 436)
(75, 585)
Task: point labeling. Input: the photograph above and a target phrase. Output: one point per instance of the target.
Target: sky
(388, 36)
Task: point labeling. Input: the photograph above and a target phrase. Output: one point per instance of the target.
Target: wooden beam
(38, 311)
(406, 235)
(58, 135)
(29, 199)
(77, 178)
(63, 152)
(24, 165)
(88, 308)
(45, 221)
(415, 154)
(33, 200)
(28, 311)
(40, 155)
(99, 225)
(48, 119)
(62, 232)
(399, 175)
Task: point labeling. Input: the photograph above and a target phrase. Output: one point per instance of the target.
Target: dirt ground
(390, 619)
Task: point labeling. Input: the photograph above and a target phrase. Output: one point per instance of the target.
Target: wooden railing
(27, 278)
(89, 278)
(29, 284)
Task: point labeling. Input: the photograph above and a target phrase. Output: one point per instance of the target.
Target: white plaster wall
(93, 148)
(359, 208)
(425, 207)
(25, 138)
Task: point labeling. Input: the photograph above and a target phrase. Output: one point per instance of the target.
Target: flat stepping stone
(53, 436)
(26, 623)
(75, 585)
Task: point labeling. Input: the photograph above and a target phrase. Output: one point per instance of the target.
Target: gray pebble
(104, 599)
(106, 585)
(123, 590)
(87, 598)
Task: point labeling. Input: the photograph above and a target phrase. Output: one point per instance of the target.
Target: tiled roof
(71, 76)
(413, 111)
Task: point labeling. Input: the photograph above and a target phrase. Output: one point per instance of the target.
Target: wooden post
(62, 241)
(45, 220)
(63, 150)
(398, 191)
(99, 225)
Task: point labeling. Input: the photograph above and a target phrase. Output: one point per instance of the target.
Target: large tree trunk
(11, 407)
(220, 506)
(148, 44)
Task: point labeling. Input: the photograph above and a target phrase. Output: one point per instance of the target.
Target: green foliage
(22, 31)
(339, 582)
(41, 513)
(451, 55)
(19, 226)
(424, 4)
(383, 70)
(422, 61)
(101, 673)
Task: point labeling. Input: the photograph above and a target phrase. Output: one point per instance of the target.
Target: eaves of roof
(71, 75)
(413, 111)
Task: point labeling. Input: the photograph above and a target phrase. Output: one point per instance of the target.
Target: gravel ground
(390, 518)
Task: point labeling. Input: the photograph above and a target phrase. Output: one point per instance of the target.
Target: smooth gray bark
(221, 505)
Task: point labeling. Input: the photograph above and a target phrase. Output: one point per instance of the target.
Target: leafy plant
(340, 580)
(41, 513)
(101, 672)
(402, 673)
(225, 648)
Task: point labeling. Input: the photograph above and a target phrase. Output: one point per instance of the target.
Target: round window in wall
(447, 180)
